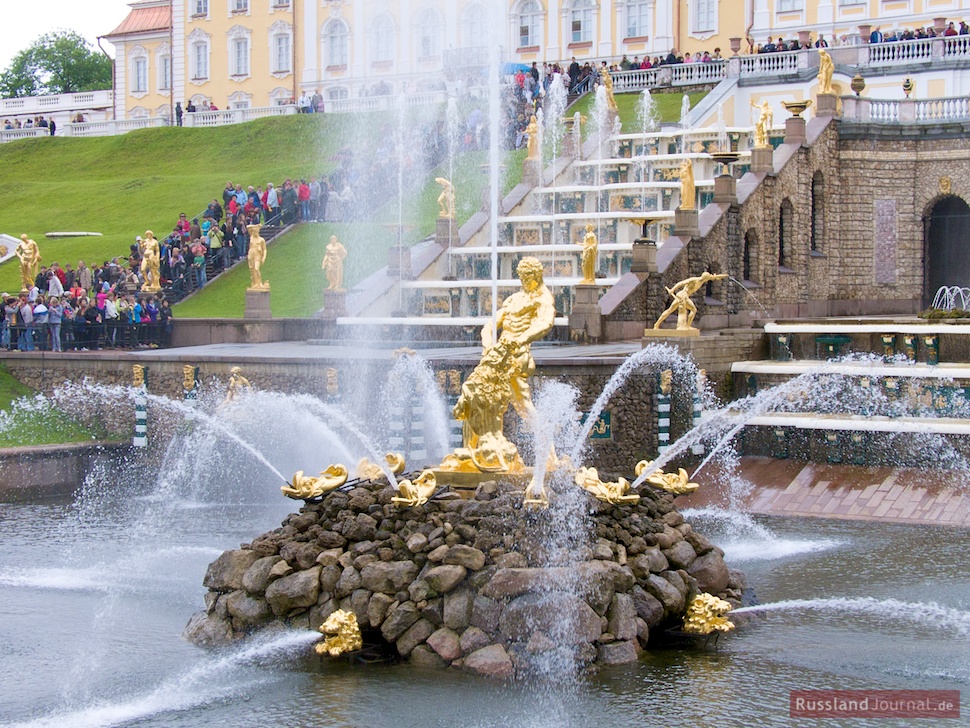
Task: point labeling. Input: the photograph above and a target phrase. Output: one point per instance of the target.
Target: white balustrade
(884, 111)
(770, 64)
(942, 110)
(955, 46)
(689, 74)
(638, 79)
(11, 135)
(83, 101)
(904, 51)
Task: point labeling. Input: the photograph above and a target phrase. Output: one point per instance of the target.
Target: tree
(61, 62)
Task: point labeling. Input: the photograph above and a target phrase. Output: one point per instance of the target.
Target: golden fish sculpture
(305, 487)
(705, 614)
(417, 493)
(372, 471)
(617, 493)
(676, 483)
(344, 634)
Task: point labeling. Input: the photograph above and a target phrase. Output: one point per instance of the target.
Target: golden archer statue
(502, 377)
(151, 258)
(825, 70)
(588, 256)
(446, 200)
(685, 308)
(688, 196)
(333, 264)
(28, 254)
(256, 257)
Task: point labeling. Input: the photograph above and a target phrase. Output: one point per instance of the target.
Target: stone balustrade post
(907, 111)
(734, 67)
(937, 48)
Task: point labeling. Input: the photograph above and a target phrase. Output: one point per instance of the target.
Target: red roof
(145, 20)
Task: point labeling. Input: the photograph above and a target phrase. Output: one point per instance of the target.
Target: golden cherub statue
(238, 384)
(607, 80)
(344, 634)
(502, 377)
(333, 264)
(825, 70)
(705, 614)
(589, 255)
(305, 487)
(150, 260)
(688, 196)
(446, 200)
(28, 254)
(256, 258)
(617, 493)
(685, 308)
(533, 144)
(676, 483)
(766, 120)
(417, 493)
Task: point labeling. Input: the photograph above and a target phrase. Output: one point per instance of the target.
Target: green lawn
(667, 107)
(26, 419)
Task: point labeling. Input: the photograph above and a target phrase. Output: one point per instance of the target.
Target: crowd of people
(84, 309)
(31, 122)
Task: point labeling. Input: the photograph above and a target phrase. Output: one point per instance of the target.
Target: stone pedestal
(586, 319)
(725, 190)
(257, 304)
(399, 262)
(795, 130)
(652, 335)
(644, 256)
(762, 159)
(334, 303)
(827, 104)
(531, 172)
(685, 223)
(446, 232)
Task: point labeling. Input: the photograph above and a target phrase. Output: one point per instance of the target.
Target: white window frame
(703, 18)
(280, 31)
(240, 48)
(474, 25)
(383, 37)
(199, 57)
(138, 62)
(240, 100)
(337, 93)
(163, 71)
(280, 96)
(791, 6)
(530, 18)
(582, 12)
(201, 8)
(336, 44)
(429, 30)
(640, 11)
(239, 7)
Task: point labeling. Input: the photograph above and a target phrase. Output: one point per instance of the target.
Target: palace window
(139, 76)
(429, 29)
(530, 21)
(199, 55)
(474, 26)
(382, 39)
(638, 19)
(239, 6)
(705, 16)
(281, 48)
(581, 22)
(336, 37)
(791, 6)
(165, 68)
(201, 7)
(239, 52)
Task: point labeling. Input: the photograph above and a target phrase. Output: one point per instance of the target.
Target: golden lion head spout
(705, 614)
(344, 634)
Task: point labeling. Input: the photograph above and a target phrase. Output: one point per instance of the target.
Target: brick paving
(897, 495)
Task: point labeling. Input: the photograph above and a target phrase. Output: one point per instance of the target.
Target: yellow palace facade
(237, 54)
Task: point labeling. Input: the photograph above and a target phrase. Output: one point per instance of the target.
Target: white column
(663, 35)
(826, 14)
(311, 43)
(554, 51)
(406, 49)
(179, 52)
(605, 26)
(762, 21)
(359, 41)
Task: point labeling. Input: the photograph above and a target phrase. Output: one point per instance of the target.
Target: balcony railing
(905, 111)
(35, 105)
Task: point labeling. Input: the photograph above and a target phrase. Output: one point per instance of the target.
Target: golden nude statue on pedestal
(150, 261)
(532, 130)
(333, 264)
(502, 377)
(685, 308)
(607, 80)
(589, 254)
(256, 258)
(825, 70)
(762, 126)
(28, 254)
(688, 195)
(446, 200)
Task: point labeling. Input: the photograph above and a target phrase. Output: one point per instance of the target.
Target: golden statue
(446, 200)
(237, 385)
(372, 471)
(616, 493)
(28, 254)
(533, 144)
(150, 260)
(705, 614)
(685, 308)
(256, 257)
(502, 377)
(607, 80)
(344, 634)
(305, 487)
(688, 197)
(588, 256)
(766, 120)
(417, 493)
(676, 483)
(666, 381)
(825, 70)
(189, 374)
(138, 375)
(333, 264)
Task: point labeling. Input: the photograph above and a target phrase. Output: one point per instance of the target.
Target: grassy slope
(34, 423)
(667, 107)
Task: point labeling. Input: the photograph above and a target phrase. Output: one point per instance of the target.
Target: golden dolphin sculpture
(304, 487)
(417, 493)
(372, 471)
(617, 493)
(677, 483)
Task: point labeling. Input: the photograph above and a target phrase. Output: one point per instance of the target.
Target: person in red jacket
(303, 195)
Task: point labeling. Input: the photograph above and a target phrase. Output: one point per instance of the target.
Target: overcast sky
(22, 22)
